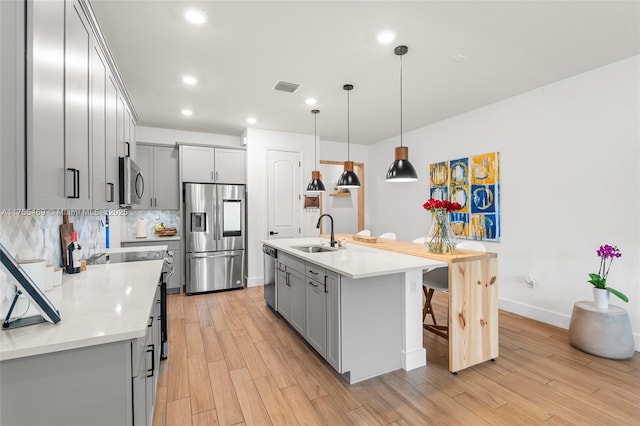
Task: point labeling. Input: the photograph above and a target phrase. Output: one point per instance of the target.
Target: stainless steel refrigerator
(214, 232)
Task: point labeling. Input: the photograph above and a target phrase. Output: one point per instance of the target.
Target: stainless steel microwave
(131, 182)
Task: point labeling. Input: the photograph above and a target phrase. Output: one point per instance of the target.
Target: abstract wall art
(474, 182)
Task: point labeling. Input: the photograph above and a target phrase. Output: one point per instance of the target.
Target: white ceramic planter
(601, 298)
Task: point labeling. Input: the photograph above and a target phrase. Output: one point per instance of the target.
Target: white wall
(570, 172)
(258, 142)
(171, 136)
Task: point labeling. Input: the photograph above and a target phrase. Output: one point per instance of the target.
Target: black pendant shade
(348, 179)
(401, 169)
(315, 184)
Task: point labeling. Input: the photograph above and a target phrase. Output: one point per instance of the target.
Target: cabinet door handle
(288, 283)
(153, 360)
(76, 183)
(216, 176)
(313, 284)
(212, 178)
(325, 284)
(111, 193)
(273, 233)
(128, 146)
(312, 272)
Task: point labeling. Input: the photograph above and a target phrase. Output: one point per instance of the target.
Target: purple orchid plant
(606, 253)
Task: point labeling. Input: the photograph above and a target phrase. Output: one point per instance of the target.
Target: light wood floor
(233, 361)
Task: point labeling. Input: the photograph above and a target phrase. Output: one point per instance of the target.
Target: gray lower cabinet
(291, 291)
(316, 307)
(298, 301)
(109, 384)
(284, 291)
(175, 281)
(309, 299)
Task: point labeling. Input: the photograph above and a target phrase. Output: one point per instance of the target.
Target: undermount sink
(314, 249)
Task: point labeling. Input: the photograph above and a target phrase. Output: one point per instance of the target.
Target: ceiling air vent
(285, 86)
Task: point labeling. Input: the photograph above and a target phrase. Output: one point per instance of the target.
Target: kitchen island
(473, 299)
(380, 286)
(99, 364)
(373, 304)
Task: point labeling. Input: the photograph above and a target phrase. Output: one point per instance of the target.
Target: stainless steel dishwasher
(270, 258)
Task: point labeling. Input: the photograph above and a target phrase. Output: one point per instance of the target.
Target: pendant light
(315, 184)
(401, 169)
(348, 179)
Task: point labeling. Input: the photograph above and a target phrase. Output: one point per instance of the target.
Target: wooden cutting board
(65, 236)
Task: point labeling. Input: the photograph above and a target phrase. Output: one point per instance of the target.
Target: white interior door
(283, 194)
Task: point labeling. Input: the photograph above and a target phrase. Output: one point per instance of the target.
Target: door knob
(273, 233)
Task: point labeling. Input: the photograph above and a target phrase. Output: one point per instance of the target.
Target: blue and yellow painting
(473, 182)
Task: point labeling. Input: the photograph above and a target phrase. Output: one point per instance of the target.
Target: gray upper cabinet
(230, 165)
(100, 190)
(159, 165)
(111, 118)
(208, 164)
(77, 120)
(45, 104)
(78, 41)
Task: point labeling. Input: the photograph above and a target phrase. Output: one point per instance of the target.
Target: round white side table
(602, 332)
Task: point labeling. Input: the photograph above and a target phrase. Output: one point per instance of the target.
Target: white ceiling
(245, 47)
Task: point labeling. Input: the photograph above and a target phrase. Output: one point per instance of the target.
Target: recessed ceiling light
(251, 120)
(386, 37)
(311, 101)
(187, 112)
(189, 79)
(195, 16)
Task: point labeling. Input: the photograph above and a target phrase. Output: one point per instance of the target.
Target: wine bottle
(74, 254)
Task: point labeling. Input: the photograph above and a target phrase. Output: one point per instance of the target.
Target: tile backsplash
(38, 236)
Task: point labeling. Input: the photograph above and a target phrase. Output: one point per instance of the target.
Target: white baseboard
(548, 317)
(255, 282)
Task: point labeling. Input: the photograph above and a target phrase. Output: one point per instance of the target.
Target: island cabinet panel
(473, 312)
(316, 309)
(291, 291)
(298, 301)
(332, 288)
(284, 292)
(371, 326)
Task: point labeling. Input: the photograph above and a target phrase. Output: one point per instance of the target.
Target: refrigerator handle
(216, 216)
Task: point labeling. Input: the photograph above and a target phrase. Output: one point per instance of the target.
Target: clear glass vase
(440, 239)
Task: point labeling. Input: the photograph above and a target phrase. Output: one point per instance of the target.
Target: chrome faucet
(333, 237)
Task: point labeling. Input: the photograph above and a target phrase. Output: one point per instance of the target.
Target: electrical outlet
(530, 282)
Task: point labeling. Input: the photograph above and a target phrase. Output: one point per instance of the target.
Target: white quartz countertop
(104, 304)
(354, 261)
(153, 238)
